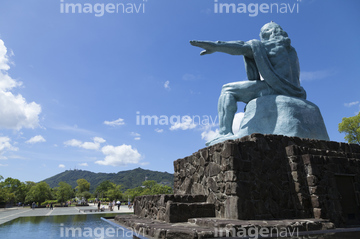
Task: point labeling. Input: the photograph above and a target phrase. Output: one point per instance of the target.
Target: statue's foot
(219, 138)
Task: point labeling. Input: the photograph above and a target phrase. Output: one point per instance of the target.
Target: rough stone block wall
(173, 208)
(269, 177)
(314, 172)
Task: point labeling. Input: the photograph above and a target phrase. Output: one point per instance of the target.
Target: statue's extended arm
(230, 47)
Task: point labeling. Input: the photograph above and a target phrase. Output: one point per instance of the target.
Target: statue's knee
(226, 88)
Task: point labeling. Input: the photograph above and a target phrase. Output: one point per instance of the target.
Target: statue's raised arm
(230, 47)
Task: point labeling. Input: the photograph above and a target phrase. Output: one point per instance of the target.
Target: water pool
(64, 226)
(91, 226)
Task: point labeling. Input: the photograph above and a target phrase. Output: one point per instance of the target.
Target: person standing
(99, 204)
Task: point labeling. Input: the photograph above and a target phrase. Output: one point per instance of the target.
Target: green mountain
(128, 179)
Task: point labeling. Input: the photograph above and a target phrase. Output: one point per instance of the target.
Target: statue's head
(272, 31)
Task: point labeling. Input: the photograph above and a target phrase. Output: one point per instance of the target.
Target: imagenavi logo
(253, 9)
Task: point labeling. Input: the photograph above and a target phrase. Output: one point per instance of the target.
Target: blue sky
(74, 84)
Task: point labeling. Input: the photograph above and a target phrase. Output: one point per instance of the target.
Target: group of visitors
(50, 206)
(112, 205)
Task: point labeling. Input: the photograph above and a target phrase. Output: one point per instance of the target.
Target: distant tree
(64, 192)
(13, 190)
(114, 192)
(104, 187)
(149, 187)
(82, 185)
(21, 192)
(2, 191)
(153, 188)
(39, 193)
(131, 193)
(161, 189)
(5, 194)
(29, 184)
(149, 184)
(9, 187)
(86, 195)
(351, 127)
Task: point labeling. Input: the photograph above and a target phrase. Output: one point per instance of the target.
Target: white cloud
(14, 156)
(6, 82)
(3, 165)
(159, 130)
(74, 128)
(209, 134)
(90, 145)
(83, 164)
(61, 166)
(185, 124)
(3, 57)
(36, 139)
(167, 85)
(73, 142)
(119, 155)
(86, 145)
(351, 103)
(315, 75)
(6, 145)
(93, 145)
(117, 122)
(136, 135)
(15, 111)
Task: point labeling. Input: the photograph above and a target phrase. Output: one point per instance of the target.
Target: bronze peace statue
(276, 103)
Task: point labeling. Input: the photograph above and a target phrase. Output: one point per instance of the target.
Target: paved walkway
(13, 213)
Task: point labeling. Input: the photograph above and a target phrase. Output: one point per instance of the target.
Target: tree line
(13, 191)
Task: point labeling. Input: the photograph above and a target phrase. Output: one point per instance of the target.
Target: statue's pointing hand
(207, 45)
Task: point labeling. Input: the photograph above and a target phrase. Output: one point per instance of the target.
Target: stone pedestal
(262, 177)
(260, 181)
(275, 177)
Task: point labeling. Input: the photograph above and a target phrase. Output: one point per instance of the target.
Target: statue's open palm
(207, 45)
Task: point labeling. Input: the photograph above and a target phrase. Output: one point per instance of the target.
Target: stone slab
(215, 227)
